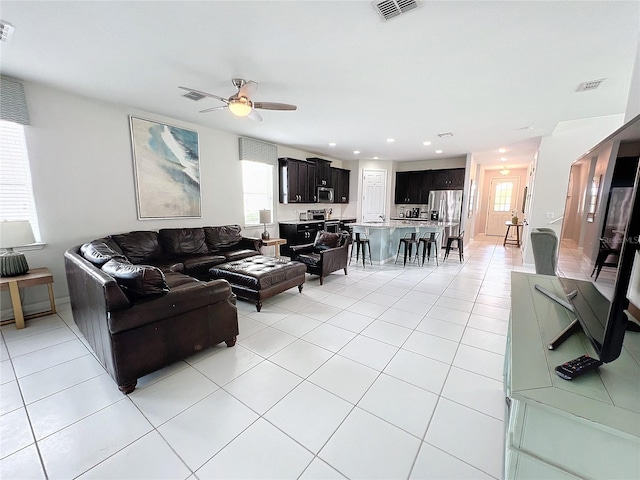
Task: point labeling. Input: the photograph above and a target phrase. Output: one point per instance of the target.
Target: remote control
(578, 366)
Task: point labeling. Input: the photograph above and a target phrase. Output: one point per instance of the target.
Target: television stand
(586, 428)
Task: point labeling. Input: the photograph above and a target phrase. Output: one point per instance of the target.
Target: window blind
(257, 151)
(13, 103)
(16, 192)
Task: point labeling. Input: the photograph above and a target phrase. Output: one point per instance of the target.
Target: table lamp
(14, 234)
(265, 217)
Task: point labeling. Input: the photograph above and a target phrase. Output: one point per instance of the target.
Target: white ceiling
(495, 74)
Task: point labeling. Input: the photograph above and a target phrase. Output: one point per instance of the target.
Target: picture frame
(166, 165)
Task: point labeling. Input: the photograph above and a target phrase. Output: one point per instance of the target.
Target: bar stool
(361, 240)
(428, 239)
(408, 241)
(460, 244)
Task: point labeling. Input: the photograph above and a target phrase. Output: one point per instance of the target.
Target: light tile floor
(390, 372)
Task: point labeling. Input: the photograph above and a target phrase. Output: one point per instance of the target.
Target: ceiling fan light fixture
(240, 107)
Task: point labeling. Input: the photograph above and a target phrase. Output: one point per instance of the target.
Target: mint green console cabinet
(557, 429)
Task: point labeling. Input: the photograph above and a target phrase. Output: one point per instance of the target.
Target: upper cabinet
(449, 179)
(414, 187)
(340, 184)
(323, 172)
(296, 181)
(410, 187)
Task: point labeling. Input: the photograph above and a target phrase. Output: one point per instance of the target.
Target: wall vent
(6, 31)
(445, 135)
(193, 96)
(392, 8)
(592, 85)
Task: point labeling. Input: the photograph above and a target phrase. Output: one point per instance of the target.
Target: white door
(503, 199)
(374, 194)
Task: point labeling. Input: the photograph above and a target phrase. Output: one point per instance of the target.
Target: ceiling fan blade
(273, 106)
(221, 107)
(222, 99)
(255, 115)
(248, 89)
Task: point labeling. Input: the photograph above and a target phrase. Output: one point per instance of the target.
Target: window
(16, 192)
(257, 185)
(502, 201)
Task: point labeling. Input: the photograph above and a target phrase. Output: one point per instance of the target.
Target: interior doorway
(503, 199)
(374, 195)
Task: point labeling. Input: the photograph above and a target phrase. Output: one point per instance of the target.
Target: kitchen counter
(413, 219)
(384, 237)
(302, 222)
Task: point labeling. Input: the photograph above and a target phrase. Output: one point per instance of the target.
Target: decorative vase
(514, 219)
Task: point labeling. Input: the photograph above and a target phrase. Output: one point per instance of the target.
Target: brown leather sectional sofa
(143, 301)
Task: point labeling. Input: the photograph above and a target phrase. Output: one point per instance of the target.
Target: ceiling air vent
(392, 8)
(592, 85)
(194, 96)
(445, 135)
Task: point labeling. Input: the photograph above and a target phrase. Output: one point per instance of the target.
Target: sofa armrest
(334, 258)
(306, 248)
(173, 303)
(249, 243)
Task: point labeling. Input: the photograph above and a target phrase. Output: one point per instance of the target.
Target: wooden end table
(511, 241)
(276, 242)
(35, 276)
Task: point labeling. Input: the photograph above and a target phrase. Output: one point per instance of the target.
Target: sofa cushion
(98, 253)
(222, 237)
(312, 259)
(137, 280)
(139, 246)
(326, 240)
(201, 263)
(176, 242)
(178, 280)
(169, 265)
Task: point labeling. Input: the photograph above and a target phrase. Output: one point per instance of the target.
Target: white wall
(569, 141)
(633, 102)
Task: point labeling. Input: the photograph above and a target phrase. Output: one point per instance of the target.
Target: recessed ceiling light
(332, 144)
(375, 158)
(503, 159)
(426, 144)
(502, 150)
(390, 140)
(356, 152)
(438, 151)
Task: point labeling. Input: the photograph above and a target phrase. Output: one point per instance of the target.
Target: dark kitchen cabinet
(296, 181)
(298, 234)
(340, 183)
(414, 187)
(322, 172)
(409, 187)
(448, 179)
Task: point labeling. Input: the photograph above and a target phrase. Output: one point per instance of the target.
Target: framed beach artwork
(166, 165)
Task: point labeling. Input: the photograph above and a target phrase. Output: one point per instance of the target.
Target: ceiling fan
(240, 103)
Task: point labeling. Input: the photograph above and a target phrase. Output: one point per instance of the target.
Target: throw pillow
(139, 280)
(98, 253)
(326, 240)
(139, 246)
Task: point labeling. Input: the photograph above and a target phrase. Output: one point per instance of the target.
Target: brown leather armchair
(328, 253)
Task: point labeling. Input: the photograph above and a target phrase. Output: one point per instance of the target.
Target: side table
(276, 242)
(35, 276)
(511, 241)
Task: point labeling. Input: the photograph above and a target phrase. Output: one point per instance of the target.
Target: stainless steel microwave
(325, 194)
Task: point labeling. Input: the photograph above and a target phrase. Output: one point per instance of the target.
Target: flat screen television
(605, 320)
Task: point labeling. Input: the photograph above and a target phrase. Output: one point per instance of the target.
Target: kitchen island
(384, 237)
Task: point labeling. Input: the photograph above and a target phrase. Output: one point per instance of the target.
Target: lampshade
(240, 107)
(265, 216)
(16, 233)
(505, 171)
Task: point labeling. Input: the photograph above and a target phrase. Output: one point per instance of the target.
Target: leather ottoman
(258, 278)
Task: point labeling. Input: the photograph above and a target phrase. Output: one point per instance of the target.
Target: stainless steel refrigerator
(447, 204)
